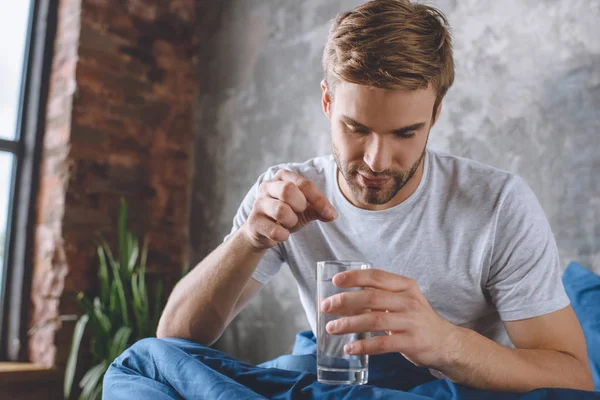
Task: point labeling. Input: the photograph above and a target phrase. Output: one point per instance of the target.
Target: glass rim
(342, 263)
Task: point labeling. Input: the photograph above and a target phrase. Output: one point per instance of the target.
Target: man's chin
(372, 196)
(377, 200)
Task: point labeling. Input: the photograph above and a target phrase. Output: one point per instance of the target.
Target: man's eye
(356, 131)
(405, 135)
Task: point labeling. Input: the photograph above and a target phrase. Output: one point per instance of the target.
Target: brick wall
(119, 124)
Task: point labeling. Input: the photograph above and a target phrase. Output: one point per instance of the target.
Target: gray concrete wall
(526, 99)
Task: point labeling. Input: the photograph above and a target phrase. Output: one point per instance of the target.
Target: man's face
(379, 138)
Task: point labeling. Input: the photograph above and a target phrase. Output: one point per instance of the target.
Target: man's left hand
(394, 304)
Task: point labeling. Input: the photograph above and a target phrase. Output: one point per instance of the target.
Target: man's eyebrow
(399, 131)
(409, 128)
(352, 122)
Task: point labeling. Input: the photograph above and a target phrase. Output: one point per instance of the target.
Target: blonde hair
(391, 44)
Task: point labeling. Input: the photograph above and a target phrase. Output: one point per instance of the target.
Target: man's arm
(550, 352)
(524, 283)
(204, 302)
(252, 288)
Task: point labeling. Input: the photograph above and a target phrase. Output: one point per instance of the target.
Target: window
(26, 33)
(14, 21)
(6, 168)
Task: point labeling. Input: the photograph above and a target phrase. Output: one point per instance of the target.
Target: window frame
(22, 205)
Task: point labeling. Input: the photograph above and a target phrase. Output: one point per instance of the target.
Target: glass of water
(334, 366)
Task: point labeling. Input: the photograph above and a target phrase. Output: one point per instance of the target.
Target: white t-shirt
(474, 237)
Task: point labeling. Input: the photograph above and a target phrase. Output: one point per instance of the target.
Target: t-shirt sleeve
(525, 273)
(273, 259)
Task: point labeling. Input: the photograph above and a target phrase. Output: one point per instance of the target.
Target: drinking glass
(334, 366)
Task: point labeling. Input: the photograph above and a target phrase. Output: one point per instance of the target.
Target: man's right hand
(283, 206)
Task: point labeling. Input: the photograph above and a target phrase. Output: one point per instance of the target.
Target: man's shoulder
(469, 171)
(466, 165)
(481, 182)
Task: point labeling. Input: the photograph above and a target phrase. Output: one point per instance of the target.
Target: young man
(468, 276)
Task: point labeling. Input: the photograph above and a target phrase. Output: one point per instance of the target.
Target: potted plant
(119, 315)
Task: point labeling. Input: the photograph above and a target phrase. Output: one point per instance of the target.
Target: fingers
(314, 197)
(368, 322)
(375, 345)
(288, 193)
(375, 278)
(278, 211)
(351, 303)
(264, 227)
(284, 205)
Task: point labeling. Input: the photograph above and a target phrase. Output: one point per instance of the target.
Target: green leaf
(101, 316)
(119, 342)
(103, 276)
(140, 303)
(108, 252)
(102, 331)
(92, 379)
(114, 306)
(143, 291)
(148, 309)
(98, 331)
(122, 298)
(96, 393)
(146, 303)
(122, 313)
(136, 303)
(72, 361)
(134, 252)
(144, 256)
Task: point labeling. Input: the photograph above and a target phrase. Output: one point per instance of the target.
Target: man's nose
(378, 155)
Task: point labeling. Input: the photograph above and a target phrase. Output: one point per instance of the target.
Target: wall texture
(118, 124)
(526, 99)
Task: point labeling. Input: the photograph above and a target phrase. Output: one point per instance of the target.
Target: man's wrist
(243, 238)
(456, 345)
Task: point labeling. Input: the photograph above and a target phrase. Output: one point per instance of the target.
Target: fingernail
(331, 213)
(340, 278)
(330, 327)
(326, 305)
(348, 348)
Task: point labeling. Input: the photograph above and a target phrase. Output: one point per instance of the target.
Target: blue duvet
(182, 369)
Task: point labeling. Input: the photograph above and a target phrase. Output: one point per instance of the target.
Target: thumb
(310, 214)
(314, 215)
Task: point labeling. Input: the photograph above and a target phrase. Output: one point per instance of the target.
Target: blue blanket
(182, 369)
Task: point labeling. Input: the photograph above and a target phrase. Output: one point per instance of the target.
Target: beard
(375, 195)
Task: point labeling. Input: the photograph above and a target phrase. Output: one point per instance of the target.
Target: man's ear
(326, 99)
(437, 113)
